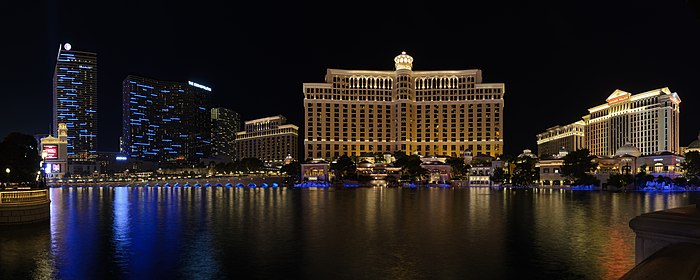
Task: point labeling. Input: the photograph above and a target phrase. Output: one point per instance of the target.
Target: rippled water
(365, 233)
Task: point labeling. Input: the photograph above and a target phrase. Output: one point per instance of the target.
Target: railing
(23, 197)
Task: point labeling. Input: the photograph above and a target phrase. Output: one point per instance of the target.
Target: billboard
(51, 151)
(52, 168)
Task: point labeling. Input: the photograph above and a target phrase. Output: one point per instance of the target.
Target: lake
(358, 233)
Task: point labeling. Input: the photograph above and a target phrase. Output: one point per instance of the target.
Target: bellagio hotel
(425, 112)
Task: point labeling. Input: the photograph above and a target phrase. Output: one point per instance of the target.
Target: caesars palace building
(648, 121)
(439, 113)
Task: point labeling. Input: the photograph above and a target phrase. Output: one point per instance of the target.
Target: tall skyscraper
(224, 125)
(75, 100)
(269, 139)
(428, 112)
(165, 121)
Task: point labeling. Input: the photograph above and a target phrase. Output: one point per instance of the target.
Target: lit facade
(75, 100)
(165, 121)
(54, 153)
(225, 124)
(429, 112)
(571, 137)
(648, 121)
(269, 139)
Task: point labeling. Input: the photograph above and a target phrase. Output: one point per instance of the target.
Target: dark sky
(557, 59)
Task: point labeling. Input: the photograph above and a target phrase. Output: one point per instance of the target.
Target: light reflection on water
(137, 232)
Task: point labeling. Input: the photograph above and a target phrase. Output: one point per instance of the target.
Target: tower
(75, 100)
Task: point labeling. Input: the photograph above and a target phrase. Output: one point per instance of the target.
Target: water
(364, 233)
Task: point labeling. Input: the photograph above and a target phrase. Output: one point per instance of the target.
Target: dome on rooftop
(403, 61)
(628, 149)
(695, 144)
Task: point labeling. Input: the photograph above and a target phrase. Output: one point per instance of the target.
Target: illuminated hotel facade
(75, 100)
(571, 137)
(269, 139)
(427, 112)
(647, 121)
(165, 121)
(225, 123)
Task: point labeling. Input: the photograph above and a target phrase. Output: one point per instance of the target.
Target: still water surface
(365, 233)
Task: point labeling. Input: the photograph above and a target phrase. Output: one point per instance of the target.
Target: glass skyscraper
(75, 100)
(165, 121)
(224, 125)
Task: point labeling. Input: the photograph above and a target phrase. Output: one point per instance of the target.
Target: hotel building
(75, 100)
(165, 121)
(225, 124)
(571, 137)
(429, 112)
(647, 121)
(268, 139)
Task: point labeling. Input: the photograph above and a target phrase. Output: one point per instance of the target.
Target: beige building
(571, 137)
(648, 121)
(54, 154)
(426, 112)
(269, 139)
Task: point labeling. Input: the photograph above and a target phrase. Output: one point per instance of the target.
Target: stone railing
(23, 197)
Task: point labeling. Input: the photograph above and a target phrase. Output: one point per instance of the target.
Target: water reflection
(138, 232)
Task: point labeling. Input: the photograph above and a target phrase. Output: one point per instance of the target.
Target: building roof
(628, 150)
(695, 144)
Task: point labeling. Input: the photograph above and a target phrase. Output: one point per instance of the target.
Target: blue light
(121, 158)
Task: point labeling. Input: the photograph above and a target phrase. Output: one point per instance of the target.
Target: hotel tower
(648, 121)
(75, 100)
(427, 112)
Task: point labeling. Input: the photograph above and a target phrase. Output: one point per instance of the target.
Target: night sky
(556, 59)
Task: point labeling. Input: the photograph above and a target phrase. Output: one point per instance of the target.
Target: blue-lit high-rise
(75, 100)
(165, 121)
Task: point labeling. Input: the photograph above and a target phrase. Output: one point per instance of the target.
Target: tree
(343, 168)
(292, 169)
(499, 175)
(459, 169)
(578, 165)
(249, 165)
(19, 153)
(691, 165)
(220, 167)
(413, 168)
(680, 181)
(640, 178)
(620, 180)
(525, 172)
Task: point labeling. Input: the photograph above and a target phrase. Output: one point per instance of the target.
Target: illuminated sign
(51, 151)
(658, 159)
(618, 99)
(52, 168)
(120, 158)
(199, 86)
(67, 46)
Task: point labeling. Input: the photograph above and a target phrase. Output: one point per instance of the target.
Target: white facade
(648, 121)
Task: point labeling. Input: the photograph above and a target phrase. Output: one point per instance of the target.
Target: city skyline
(551, 57)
